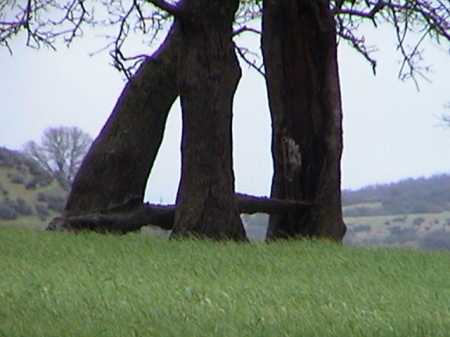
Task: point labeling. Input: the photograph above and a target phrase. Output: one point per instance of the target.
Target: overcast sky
(390, 129)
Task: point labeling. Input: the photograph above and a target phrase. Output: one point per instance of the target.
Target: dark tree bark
(119, 162)
(208, 76)
(300, 56)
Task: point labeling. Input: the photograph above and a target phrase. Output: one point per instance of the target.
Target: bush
(22, 168)
(361, 228)
(41, 196)
(437, 239)
(42, 180)
(7, 212)
(400, 235)
(30, 185)
(3, 190)
(418, 221)
(55, 202)
(16, 178)
(46, 197)
(42, 211)
(22, 207)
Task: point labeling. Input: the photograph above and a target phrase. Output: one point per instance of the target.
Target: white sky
(390, 129)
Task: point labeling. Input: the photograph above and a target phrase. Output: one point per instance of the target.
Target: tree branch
(173, 10)
(352, 12)
(132, 214)
(246, 29)
(242, 52)
(249, 204)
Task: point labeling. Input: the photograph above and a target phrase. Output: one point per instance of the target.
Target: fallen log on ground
(132, 215)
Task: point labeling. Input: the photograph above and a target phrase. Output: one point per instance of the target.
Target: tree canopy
(60, 151)
(48, 22)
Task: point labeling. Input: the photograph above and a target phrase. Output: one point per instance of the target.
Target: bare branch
(60, 151)
(242, 52)
(133, 215)
(246, 29)
(168, 7)
(377, 7)
(359, 43)
(424, 17)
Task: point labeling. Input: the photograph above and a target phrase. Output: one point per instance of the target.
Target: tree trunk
(119, 161)
(300, 56)
(208, 76)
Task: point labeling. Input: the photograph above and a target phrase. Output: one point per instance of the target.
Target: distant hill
(421, 195)
(411, 212)
(29, 196)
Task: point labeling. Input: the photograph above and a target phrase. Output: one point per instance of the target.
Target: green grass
(56, 284)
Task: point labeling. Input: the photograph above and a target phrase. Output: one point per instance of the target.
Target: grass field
(55, 284)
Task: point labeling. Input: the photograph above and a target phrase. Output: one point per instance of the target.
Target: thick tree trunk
(299, 48)
(119, 162)
(208, 76)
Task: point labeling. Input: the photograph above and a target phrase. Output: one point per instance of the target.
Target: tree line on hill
(409, 196)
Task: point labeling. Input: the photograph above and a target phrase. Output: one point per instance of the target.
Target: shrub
(437, 239)
(7, 212)
(41, 196)
(42, 211)
(361, 228)
(16, 178)
(400, 235)
(3, 190)
(400, 218)
(22, 168)
(55, 202)
(42, 179)
(22, 207)
(418, 221)
(30, 185)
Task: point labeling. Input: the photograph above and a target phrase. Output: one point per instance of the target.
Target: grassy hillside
(56, 284)
(412, 212)
(409, 196)
(29, 196)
